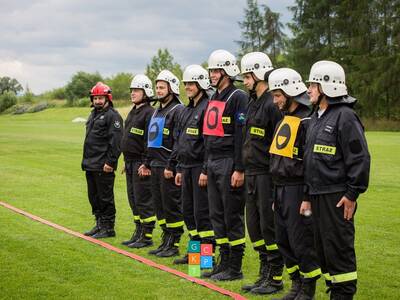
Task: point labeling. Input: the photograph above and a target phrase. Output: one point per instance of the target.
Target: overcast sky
(44, 42)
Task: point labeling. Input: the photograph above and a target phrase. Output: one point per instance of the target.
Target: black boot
(95, 229)
(182, 260)
(106, 230)
(307, 291)
(221, 263)
(104, 233)
(294, 290)
(145, 238)
(272, 284)
(135, 234)
(164, 237)
(262, 273)
(172, 246)
(234, 271)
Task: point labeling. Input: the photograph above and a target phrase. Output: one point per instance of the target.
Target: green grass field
(40, 172)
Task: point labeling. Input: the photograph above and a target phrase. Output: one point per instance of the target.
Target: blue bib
(155, 136)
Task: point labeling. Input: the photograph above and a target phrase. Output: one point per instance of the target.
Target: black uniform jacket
(231, 144)
(262, 117)
(103, 139)
(166, 156)
(336, 154)
(191, 149)
(286, 170)
(134, 139)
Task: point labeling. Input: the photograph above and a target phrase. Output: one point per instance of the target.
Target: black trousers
(139, 193)
(226, 204)
(166, 197)
(295, 232)
(260, 216)
(195, 204)
(100, 187)
(129, 165)
(334, 239)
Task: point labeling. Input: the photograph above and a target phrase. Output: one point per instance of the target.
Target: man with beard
(223, 133)
(101, 151)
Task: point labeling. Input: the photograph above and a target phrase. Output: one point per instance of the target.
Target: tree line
(81, 82)
(363, 36)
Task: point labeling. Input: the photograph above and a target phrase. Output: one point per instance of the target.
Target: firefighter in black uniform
(134, 148)
(262, 117)
(223, 133)
(163, 131)
(192, 173)
(337, 164)
(293, 222)
(101, 151)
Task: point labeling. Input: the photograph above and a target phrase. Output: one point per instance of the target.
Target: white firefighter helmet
(330, 76)
(287, 80)
(222, 59)
(290, 82)
(256, 62)
(170, 78)
(196, 73)
(143, 82)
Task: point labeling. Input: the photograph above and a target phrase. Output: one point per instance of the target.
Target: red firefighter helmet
(101, 89)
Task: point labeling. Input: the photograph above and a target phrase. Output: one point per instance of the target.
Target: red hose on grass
(126, 253)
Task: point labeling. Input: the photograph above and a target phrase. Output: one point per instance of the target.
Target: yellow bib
(283, 142)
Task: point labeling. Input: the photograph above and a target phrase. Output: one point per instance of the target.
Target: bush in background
(120, 84)
(55, 94)
(28, 97)
(80, 86)
(7, 100)
(83, 102)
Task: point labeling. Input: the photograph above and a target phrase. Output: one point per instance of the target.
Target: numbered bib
(285, 136)
(156, 128)
(213, 120)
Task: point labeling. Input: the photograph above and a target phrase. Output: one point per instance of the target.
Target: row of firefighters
(287, 160)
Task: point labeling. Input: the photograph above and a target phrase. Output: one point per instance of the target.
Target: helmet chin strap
(101, 107)
(223, 74)
(316, 105)
(289, 101)
(198, 92)
(162, 99)
(144, 99)
(252, 92)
